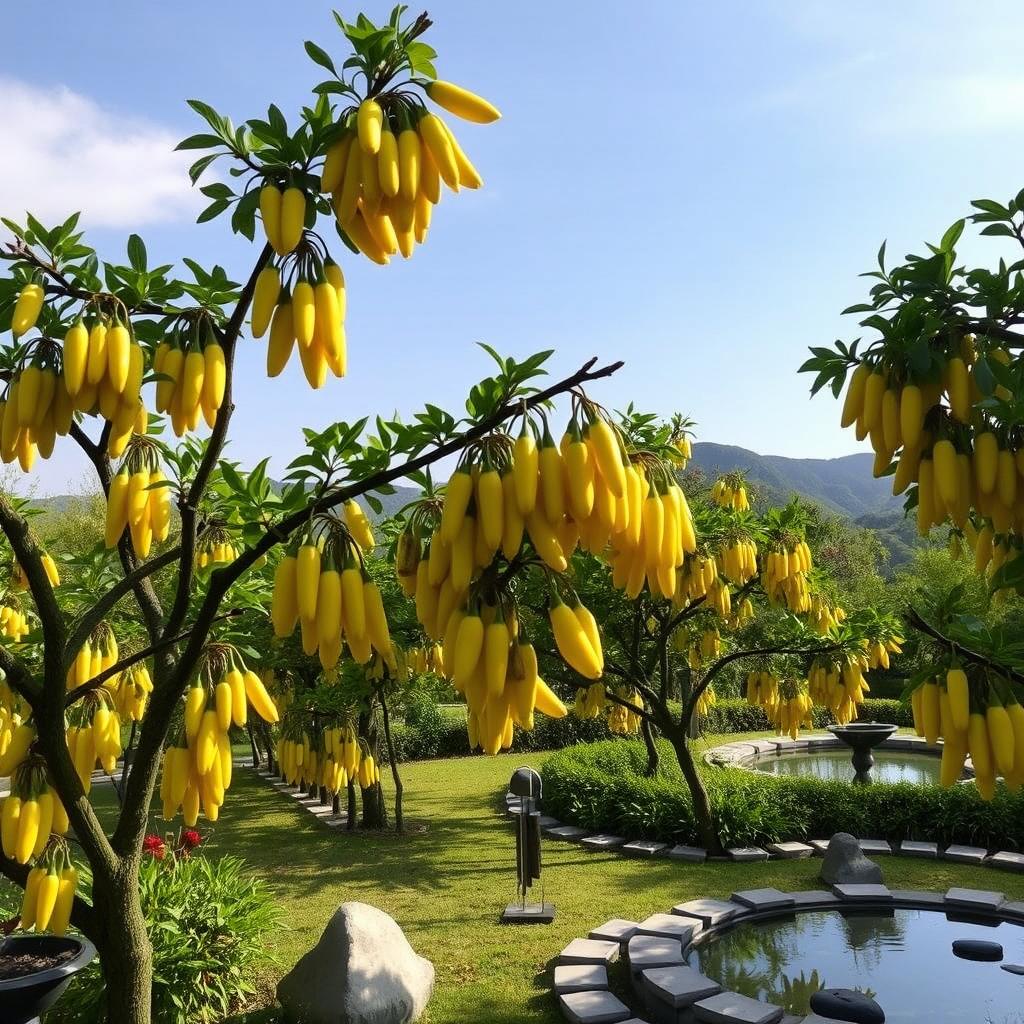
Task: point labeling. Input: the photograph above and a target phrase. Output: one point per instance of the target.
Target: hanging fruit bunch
(322, 584)
(130, 690)
(19, 581)
(50, 890)
(93, 735)
(976, 713)
(13, 620)
(300, 297)
(426, 659)
(197, 766)
(31, 813)
(139, 497)
(99, 652)
(730, 491)
(215, 545)
(621, 720)
(389, 154)
(706, 701)
(784, 578)
(192, 371)
(325, 755)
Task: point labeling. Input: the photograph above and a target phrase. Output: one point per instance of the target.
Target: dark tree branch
(923, 626)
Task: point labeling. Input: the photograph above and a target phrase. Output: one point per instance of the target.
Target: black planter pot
(23, 999)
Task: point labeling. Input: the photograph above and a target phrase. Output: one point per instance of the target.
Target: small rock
(362, 971)
(847, 1004)
(978, 949)
(845, 862)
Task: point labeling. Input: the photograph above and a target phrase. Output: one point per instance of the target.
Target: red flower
(190, 839)
(155, 846)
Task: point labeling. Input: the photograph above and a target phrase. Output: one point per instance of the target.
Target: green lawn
(447, 887)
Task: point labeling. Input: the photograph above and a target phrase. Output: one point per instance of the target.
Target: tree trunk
(126, 956)
(393, 759)
(252, 744)
(375, 812)
(653, 757)
(702, 812)
(352, 809)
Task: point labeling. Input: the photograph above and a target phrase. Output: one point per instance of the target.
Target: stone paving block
(678, 986)
(819, 846)
(546, 822)
(618, 929)
(669, 926)
(596, 1007)
(928, 899)
(875, 846)
(589, 951)
(1006, 860)
(912, 848)
(644, 848)
(975, 899)
(603, 841)
(709, 912)
(693, 854)
(1013, 968)
(1013, 909)
(862, 892)
(568, 832)
(763, 899)
(790, 851)
(815, 1019)
(964, 854)
(647, 951)
(732, 1008)
(580, 978)
(812, 897)
(746, 854)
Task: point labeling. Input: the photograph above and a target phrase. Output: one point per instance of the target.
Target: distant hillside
(844, 485)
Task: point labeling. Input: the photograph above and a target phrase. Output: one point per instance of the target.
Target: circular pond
(835, 766)
(902, 958)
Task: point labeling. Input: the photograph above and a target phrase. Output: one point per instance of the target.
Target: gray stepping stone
(709, 912)
(692, 854)
(644, 848)
(618, 929)
(1013, 910)
(732, 1008)
(912, 848)
(669, 926)
(547, 822)
(1006, 860)
(975, 899)
(580, 978)
(647, 951)
(819, 846)
(746, 854)
(874, 846)
(813, 897)
(568, 832)
(589, 951)
(790, 851)
(603, 841)
(763, 899)
(678, 986)
(916, 896)
(861, 892)
(596, 1007)
(1013, 968)
(965, 854)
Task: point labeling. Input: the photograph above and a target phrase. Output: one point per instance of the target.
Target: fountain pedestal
(862, 738)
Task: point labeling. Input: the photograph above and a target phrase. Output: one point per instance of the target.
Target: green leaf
(998, 229)
(320, 56)
(200, 141)
(952, 235)
(215, 209)
(136, 253)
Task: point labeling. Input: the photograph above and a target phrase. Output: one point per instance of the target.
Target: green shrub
(602, 786)
(207, 921)
(732, 714)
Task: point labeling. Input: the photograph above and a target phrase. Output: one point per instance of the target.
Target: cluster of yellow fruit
(697, 576)
(130, 690)
(94, 736)
(822, 616)
(839, 685)
(310, 316)
(591, 701)
(20, 581)
(35, 409)
(336, 757)
(426, 659)
(684, 448)
(197, 767)
(31, 813)
(384, 171)
(621, 720)
(706, 701)
(13, 621)
(699, 645)
(325, 588)
(730, 492)
(27, 308)
(980, 717)
(284, 216)
(50, 893)
(741, 614)
(737, 558)
(139, 498)
(215, 547)
(193, 376)
(96, 655)
(790, 710)
(785, 576)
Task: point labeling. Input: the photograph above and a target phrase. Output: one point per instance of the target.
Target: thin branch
(921, 625)
(18, 676)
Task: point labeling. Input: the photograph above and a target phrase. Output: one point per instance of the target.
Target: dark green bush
(602, 787)
(731, 714)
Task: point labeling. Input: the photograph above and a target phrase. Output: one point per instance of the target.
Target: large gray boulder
(845, 862)
(362, 971)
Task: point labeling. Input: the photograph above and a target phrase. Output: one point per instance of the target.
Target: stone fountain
(862, 738)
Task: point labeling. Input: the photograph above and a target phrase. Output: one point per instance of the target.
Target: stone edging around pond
(656, 950)
(746, 753)
(1006, 860)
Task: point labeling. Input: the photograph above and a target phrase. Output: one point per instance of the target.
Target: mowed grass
(446, 887)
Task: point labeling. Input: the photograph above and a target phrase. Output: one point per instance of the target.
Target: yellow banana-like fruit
(119, 343)
(265, 296)
(369, 122)
(335, 161)
(986, 461)
(270, 211)
(282, 337)
(259, 698)
(27, 308)
(946, 473)
(438, 144)
(388, 173)
(304, 313)
(409, 162)
(307, 580)
(462, 103)
(76, 354)
(293, 217)
(959, 698)
(572, 641)
(353, 602)
(609, 456)
(490, 506)
(853, 403)
(358, 525)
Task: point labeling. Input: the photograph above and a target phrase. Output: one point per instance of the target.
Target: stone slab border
(324, 813)
(746, 753)
(646, 849)
(656, 950)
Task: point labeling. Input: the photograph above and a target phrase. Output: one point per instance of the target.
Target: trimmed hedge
(430, 731)
(602, 787)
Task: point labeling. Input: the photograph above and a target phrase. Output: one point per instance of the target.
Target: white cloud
(67, 153)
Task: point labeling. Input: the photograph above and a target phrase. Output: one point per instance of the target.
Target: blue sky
(691, 187)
